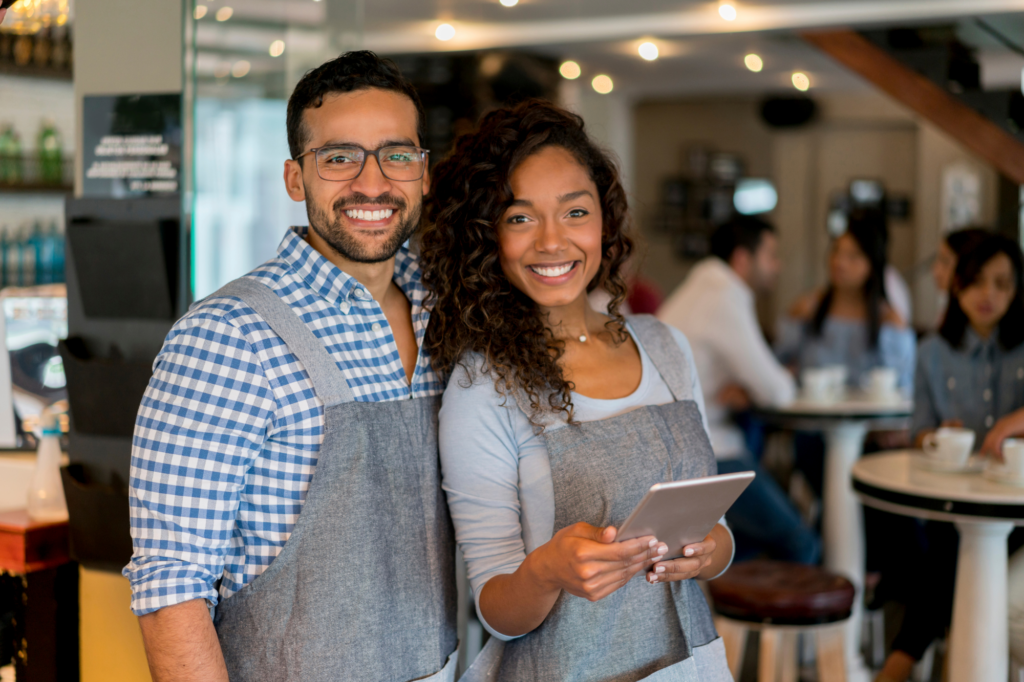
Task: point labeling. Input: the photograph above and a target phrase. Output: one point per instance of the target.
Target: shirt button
(359, 293)
(375, 326)
(987, 395)
(989, 421)
(345, 307)
(951, 384)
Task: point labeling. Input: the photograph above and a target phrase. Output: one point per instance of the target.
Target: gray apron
(599, 471)
(364, 588)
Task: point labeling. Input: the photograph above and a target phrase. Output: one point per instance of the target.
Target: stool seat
(782, 593)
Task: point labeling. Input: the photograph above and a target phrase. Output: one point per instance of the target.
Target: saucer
(999, 475)
(975, 463)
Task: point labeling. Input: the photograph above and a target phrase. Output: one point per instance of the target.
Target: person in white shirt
(714, 308)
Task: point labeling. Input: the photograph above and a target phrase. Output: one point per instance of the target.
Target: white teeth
(552, 272)
(370, 216)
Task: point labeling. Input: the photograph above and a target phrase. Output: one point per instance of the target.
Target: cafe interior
(141, 152)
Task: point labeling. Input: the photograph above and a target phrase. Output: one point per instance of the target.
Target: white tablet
(684, 512)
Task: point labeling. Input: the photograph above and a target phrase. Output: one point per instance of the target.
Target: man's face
(368, 218)
(765, 264)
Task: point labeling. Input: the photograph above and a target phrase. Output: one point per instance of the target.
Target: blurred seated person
(969, 374)
(714, 308)
(944, 265)
(850, 321)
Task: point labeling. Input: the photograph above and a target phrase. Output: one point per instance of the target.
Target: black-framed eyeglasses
(345, 162)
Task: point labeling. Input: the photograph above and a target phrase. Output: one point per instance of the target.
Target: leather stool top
(782, 593)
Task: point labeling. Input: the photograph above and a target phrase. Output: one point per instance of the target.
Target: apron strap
(664, 352)
(328, 381)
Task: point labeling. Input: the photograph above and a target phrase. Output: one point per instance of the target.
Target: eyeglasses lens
(345, 163)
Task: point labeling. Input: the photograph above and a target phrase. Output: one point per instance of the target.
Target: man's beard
(349, 246)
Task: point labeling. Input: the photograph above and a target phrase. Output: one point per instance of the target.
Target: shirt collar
(975, 345)
(333, 284)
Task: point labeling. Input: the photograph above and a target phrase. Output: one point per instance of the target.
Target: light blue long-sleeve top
(978, 383)
(845, 342)
(496, 471)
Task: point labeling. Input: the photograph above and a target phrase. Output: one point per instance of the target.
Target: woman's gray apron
(364, 588)
(599, 471)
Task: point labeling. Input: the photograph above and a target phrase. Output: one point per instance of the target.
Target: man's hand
(182, 645)
(733, 397)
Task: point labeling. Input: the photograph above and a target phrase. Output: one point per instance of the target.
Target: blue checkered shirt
(228, 432)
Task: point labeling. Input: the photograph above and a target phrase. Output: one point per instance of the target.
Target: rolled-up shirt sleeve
(202, 422)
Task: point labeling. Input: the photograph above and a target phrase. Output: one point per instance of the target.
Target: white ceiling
(700, 52)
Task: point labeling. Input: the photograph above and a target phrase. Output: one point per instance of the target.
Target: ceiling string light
(199, 12)
(801, 81)
(648, 51)
(445, 32)
(277, 48)
(570, 70)
(753, 62)
(509, 3)
(224, 13)
(602, 84)
(727, 10)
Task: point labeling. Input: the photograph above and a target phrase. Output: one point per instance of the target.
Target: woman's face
(987, 299)
(848, 267)
(944, 266)
(550, 237)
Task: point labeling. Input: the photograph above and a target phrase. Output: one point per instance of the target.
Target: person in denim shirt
(850, 322)
(969, 374)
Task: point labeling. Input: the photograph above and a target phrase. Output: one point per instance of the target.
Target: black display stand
(127, 279)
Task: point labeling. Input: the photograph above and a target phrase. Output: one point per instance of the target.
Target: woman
(970, 374)
(944, 265)
(850, 322)
(557, 418)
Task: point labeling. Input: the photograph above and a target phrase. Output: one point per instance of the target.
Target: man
(285, 469)
(715, 309)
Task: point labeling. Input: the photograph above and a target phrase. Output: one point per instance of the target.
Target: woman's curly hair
(474, 307)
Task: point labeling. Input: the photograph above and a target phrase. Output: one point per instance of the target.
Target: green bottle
(50, 166)
(10, 156)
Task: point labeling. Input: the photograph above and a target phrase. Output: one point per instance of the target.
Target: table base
(978, 642)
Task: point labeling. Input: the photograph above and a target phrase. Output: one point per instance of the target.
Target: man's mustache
(385, 200)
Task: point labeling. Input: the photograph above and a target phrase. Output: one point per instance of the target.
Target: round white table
(984, 513)
(844, 425)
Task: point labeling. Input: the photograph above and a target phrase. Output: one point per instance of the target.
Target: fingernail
(659, 569)
(688, 552)
(652, 543)
(663, 549)
(654, 579)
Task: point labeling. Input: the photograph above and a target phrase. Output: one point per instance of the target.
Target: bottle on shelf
(11, 171)
(46, 501)
(51, 169)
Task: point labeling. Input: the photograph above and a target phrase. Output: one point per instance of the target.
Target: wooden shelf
(33, 71)
(27, 546)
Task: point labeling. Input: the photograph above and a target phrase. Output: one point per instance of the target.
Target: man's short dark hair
(350, 72)
(741, 232)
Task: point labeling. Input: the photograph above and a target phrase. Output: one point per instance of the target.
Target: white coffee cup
(881, 384)
(1013, 457)
(950, 445)
(817, 383)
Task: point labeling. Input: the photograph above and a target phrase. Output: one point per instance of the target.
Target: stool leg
(788, 659)
(768, 655)
(734, 637)
(831, 659)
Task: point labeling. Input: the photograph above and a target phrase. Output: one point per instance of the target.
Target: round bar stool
(781, 600)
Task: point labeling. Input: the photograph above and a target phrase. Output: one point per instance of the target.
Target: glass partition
(242, 59)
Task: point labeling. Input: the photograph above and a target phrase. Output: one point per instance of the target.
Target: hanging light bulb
(445, 32)
(727, 10)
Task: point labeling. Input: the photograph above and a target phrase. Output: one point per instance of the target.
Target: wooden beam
(959, 121)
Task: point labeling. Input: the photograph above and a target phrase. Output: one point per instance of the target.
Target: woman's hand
(705, 559)
(1009, 426)
(586, 562)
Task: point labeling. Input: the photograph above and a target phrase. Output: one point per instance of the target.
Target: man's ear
(293, 180)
